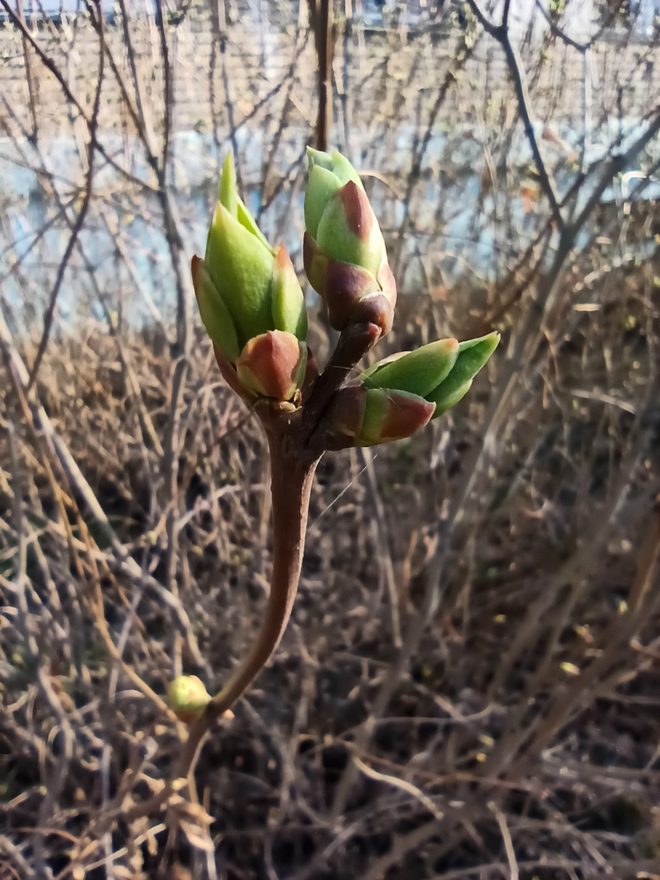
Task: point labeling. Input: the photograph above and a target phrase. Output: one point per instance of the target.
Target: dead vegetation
(469, 688)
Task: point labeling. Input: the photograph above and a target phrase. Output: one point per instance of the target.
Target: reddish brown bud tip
(359, 215)
(405, 414)
(366, 417)
(375, 308)
(355, 341)
(272, 364)
(345, 285)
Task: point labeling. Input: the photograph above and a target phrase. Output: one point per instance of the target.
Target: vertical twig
(321, 14)
(80, 219)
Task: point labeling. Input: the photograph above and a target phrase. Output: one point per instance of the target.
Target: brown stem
(293, 456)
(321, 15)
(354, 342)
(292, 473)
(291, 482)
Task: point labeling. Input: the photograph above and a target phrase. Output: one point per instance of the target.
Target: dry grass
(529, 692)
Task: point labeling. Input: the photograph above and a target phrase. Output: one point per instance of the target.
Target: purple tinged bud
(374, 308)
(344, 251)
(392, 415)
(357, 210)
(346, 414)
(387, 282)
(273, 365)
(360, 416)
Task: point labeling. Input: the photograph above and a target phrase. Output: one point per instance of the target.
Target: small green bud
(241, 268)
(187, 697)
(440, 372)
(273, 365)
(472, 356)
(214, 313)
(245, 290)
(418, 372)
(344, 251)
(361, 416)
(327, 174)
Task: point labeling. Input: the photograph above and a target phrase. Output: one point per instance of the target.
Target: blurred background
(470, 684)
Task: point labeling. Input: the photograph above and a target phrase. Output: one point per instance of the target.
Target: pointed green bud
(451, 398)
(230, 199)
(187, 697)
(418, 372)
(321, 186)
(327, 174)
(335, 162)
(273, 365)
(214, 313)
(241, 268)
(244, 287)
(227, 191)
(472, 356)
(288, 302)
(344, 251)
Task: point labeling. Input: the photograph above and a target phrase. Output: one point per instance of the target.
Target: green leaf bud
(418, 372)
(214, 313)
(187, 697)
(273, 365)
(344, 251)
(245, 290)
(472, 356)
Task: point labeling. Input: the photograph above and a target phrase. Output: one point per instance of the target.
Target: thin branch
(321, 19)
(617, 163)
(50, 65)
(514, 872)
(80, 219)
(502, 35)
(557, 31)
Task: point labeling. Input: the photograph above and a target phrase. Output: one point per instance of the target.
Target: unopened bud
(472, 356)
(361, 416)
(418, 372)
(344, 251)
(245, 288)
(273, 365)
(187, 697)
